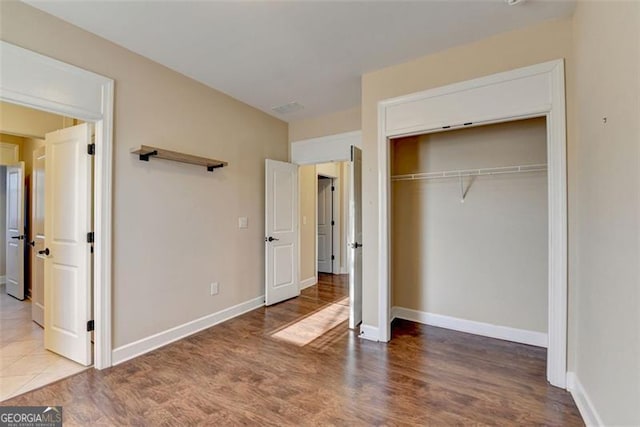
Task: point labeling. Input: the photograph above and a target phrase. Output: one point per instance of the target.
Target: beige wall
(330, 124)
(607, 207)
(532, 45)
(27, 122)
(485, 259)
(175, 225)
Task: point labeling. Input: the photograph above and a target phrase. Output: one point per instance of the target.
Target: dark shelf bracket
(145, 157)
(211, 168)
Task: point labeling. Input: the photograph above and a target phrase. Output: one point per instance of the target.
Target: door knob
(356, 245)
(18, 237)
(44, 252)
(270, 239)
(32, 243)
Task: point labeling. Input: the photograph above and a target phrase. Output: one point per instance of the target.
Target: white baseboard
(3, 280)
(371, 333)
(523, 336)
(145, 345)
(585, 406)
(308, 282)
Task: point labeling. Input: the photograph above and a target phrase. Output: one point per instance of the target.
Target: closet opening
(469, 225)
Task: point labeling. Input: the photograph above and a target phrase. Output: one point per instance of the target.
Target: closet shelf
(146, 151)
(470, 172)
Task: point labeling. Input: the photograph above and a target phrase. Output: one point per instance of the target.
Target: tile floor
(24, 363)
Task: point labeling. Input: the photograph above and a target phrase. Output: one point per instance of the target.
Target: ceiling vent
(289, 108)
(513, 2)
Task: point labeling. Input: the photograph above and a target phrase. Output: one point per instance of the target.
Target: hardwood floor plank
(238, 373)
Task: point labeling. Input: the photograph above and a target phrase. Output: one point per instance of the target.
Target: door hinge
(90, 237)
(91, 149)
(333, 257)
(333, 188)
(333, 223)
(90, 325)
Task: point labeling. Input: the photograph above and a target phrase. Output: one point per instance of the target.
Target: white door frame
(535, 91)
(64, 89)
(327, 149)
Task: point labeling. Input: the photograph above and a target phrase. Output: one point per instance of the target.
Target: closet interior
(469, 232)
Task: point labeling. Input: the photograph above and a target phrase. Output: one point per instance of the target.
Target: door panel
(37, 234)
(67, 285)
(325, 233)
(281, 228)
(355, 239)
(14, 245)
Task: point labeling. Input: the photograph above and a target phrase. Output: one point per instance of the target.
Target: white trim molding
(304, 284)
(325, 149)
(150, 343)
(523, 336)
(587, 410)
(534, 91)
(64, 89)
(370, 333)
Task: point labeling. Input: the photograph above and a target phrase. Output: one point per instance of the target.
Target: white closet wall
(483, 260)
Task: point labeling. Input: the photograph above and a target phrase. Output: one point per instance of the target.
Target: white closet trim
(534, 91)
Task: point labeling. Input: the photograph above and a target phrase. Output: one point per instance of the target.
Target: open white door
(68, 218)
(37, 236)
(355, 239)
(281, 231)
(325, 225)
(15, 231)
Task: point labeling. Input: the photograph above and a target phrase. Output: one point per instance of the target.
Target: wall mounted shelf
(145, 152)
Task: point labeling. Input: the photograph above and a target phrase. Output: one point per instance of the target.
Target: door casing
(89, 97)
(534, 91)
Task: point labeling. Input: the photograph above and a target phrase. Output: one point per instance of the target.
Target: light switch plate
(243, 222)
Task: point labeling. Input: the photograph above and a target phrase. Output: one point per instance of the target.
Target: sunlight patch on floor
(315, 325)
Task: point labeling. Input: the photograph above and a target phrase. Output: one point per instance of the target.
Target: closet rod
(470, 172)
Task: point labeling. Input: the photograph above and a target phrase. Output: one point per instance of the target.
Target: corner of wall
(587, 410)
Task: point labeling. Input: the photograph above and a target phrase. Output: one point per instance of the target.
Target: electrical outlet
(243, 222)
(214, 288)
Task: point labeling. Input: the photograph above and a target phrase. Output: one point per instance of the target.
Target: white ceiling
(269, 53)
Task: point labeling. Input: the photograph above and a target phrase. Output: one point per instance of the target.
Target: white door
(37, 236)
(14, 270)
(325, 221)
(355, 239)
(67, 271)
(281, 231)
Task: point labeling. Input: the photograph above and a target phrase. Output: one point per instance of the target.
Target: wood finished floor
(237, 373)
